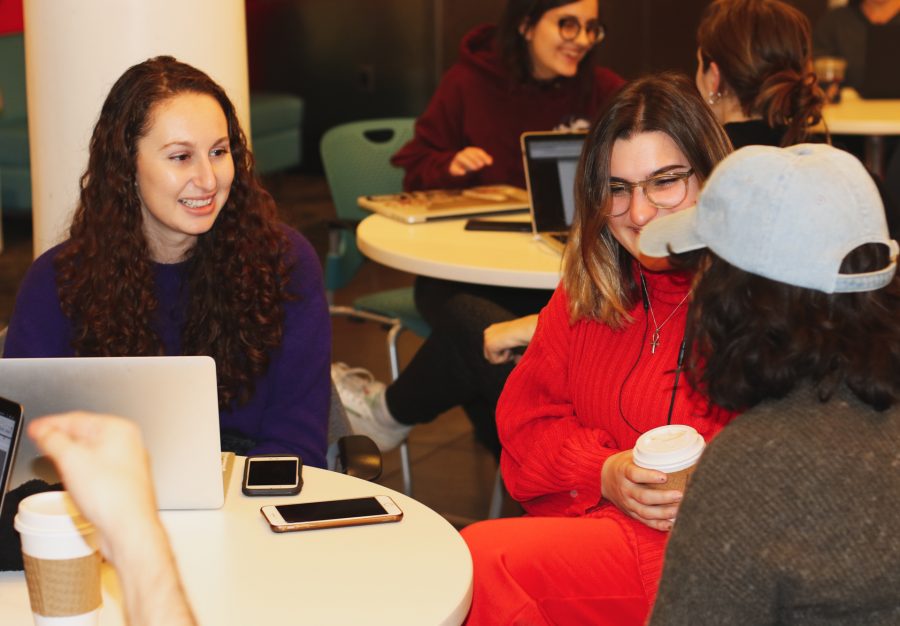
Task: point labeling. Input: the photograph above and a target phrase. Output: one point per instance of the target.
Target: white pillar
(74, 52)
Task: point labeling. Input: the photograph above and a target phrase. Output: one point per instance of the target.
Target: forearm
(149, 578)
(572, 471)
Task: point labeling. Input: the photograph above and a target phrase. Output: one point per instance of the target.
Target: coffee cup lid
(50, 512)
(668, 448)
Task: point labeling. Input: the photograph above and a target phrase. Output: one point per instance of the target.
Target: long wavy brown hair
(764, 52)
(755, 339)
(236, 273)
(597, 270)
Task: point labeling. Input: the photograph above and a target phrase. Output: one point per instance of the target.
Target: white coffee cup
(673, 449)
(62, 561)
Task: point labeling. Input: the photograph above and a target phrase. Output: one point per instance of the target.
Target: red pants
(552, 570)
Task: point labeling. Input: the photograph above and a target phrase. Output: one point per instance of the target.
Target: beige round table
(236, 571)
(444, 249)
(874, 119)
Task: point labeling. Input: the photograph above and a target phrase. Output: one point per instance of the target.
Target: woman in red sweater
(601, 370)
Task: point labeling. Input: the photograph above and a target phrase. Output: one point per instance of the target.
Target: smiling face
(184, 173)
(551, 55)
(643, 156)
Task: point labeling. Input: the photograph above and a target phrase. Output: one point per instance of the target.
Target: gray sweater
(792, 517)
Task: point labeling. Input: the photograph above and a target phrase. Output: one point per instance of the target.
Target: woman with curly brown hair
(755, 71)
(175, 249)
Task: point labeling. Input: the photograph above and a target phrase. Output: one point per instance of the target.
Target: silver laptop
(173, 400)
(414, 207)
(551, 159)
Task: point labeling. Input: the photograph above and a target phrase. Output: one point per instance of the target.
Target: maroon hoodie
(478, 104)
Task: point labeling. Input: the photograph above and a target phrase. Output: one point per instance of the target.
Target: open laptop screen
(10, 430)
(550, 163)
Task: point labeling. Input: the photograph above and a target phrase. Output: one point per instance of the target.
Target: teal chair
(276, 121)
(356, 158)
(15, 167)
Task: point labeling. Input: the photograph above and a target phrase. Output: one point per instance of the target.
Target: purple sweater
(289, 408)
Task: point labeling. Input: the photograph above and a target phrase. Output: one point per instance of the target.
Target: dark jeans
(450, 369)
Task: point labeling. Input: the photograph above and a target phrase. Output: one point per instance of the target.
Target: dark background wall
(358, 59)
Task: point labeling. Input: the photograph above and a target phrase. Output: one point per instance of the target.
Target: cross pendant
(654, 341)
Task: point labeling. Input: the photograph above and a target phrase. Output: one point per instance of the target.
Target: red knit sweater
(560, 415)
(476, 104)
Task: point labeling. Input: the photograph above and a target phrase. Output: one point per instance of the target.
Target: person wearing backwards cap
(794, 321)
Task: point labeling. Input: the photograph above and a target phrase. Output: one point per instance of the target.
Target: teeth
(195, 204)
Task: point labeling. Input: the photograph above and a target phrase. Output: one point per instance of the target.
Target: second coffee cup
(62, 562)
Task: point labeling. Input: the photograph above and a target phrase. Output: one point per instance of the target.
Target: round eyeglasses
(570, 27)
(664, 191)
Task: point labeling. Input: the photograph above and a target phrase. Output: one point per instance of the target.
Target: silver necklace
(654, 338)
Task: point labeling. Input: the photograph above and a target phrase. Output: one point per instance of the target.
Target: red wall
(10, 16)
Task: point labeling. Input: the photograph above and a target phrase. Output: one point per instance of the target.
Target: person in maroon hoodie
(534, 71)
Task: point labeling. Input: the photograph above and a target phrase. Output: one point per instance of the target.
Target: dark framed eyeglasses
(664, 191)
(570, 27)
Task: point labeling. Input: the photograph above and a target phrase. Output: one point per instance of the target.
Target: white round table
(874, 119)
(444, 249)
(237, 571)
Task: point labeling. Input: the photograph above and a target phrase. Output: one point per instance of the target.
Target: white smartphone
(272, 475)
(331, 513)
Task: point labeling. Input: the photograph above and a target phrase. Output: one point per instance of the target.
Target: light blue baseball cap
(787, 214)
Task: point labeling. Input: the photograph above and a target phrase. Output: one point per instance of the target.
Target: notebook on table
(551, 159)
(421, 206)
(173, 400)
(881, 73)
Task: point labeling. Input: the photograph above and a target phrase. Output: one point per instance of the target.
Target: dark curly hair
(764, 52)
(514, 48)
(754, 339)
(236, 274)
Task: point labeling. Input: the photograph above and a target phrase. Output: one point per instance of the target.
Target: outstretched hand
(469, 159)
(104, 466)
(624, 484)
(106, 470)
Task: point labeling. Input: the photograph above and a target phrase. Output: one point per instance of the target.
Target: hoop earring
(714, 97)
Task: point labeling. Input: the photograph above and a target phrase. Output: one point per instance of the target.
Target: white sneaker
(363, 398)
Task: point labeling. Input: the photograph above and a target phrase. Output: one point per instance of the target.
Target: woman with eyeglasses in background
(534, 71)
(602, 369)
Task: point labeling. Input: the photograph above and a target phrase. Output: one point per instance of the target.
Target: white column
(74, 52)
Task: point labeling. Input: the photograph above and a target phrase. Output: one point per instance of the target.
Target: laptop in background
(551, 159)
(415, 207)
(173, 400)
(881, 74)
(10, 431)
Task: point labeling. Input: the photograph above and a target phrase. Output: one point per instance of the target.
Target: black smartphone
(10, 431)
(331, 513)
(496, 225)
(272, 475)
